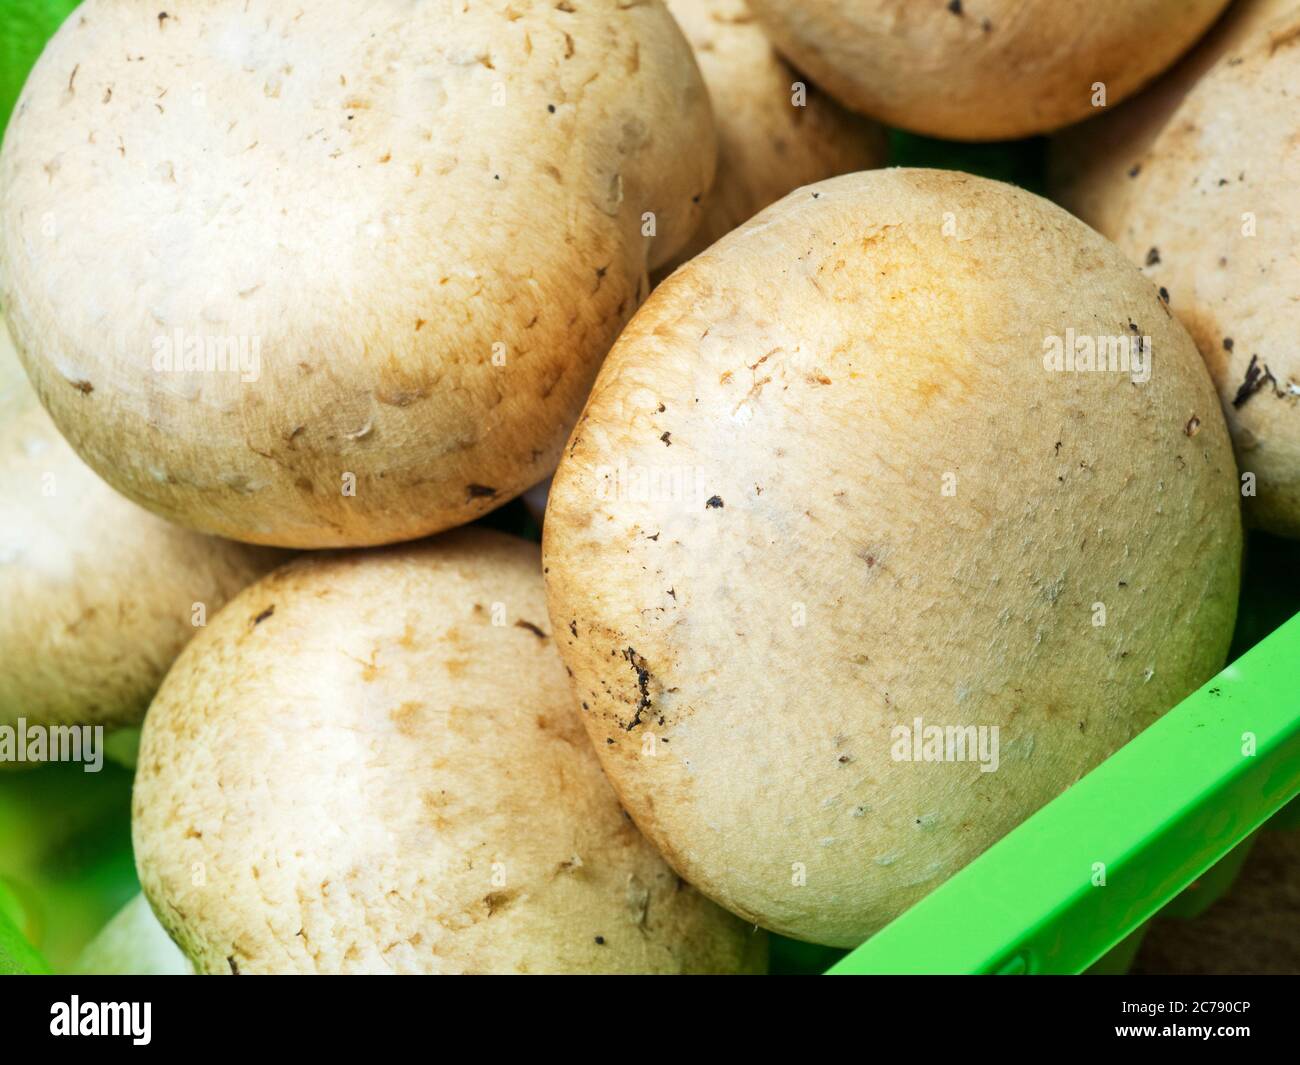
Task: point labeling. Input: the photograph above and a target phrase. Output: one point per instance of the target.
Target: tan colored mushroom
(370, 762)
(977, 70)
(337, 274)
(1199, 182)
(775, 130)
(833, 491)
(98, 595)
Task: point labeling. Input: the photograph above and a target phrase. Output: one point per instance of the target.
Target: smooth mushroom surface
(1198, 182)
(340, 274)
(776, 131)
(978, 70)
(833, 491)
(97, 596)
(133, 943)
(370, 762)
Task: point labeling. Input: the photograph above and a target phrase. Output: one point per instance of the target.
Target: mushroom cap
(99, 595)
(977, 70)
(340, 274)
(825, 485)
(768, 144)
(1198, 182)
(133, 943)
(375, 761)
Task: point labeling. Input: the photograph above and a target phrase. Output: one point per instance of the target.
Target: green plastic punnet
(1087, 871)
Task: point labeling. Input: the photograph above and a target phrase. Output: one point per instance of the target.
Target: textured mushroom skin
(428, 221)
(982, 69)
(1175, 177)
(767, 146)
(817, 380)
(372, 776)
(97, 594)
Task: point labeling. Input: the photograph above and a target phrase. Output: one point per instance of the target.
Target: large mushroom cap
(98, 596)
(1198, 181)
(337, 273)
(831, 481)
(370, 762)
(983, 69)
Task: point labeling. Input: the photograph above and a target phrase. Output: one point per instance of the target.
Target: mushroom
(978, 70)
(133, 943)
(340, 274)
(886, 510)
(776, 132)
(1196, 182)
(99, 595)
(370, 762)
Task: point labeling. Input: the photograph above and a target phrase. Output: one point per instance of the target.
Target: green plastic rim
(1092, 866)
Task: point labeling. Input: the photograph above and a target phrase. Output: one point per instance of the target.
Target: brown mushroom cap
(776, 132)
(374, 761)
(338, 274)
(826, 485)
(99, 596)
(977, 70)
(1198, 182)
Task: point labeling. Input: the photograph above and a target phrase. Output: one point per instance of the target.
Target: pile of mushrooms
(295, 308)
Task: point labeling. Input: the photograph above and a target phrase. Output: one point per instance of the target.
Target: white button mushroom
(1197, 181)
(133, 943)
(983, 69)
(371, 762)
(927, 521)
(337, 274)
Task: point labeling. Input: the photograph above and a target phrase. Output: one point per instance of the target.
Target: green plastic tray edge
(1157, 814)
